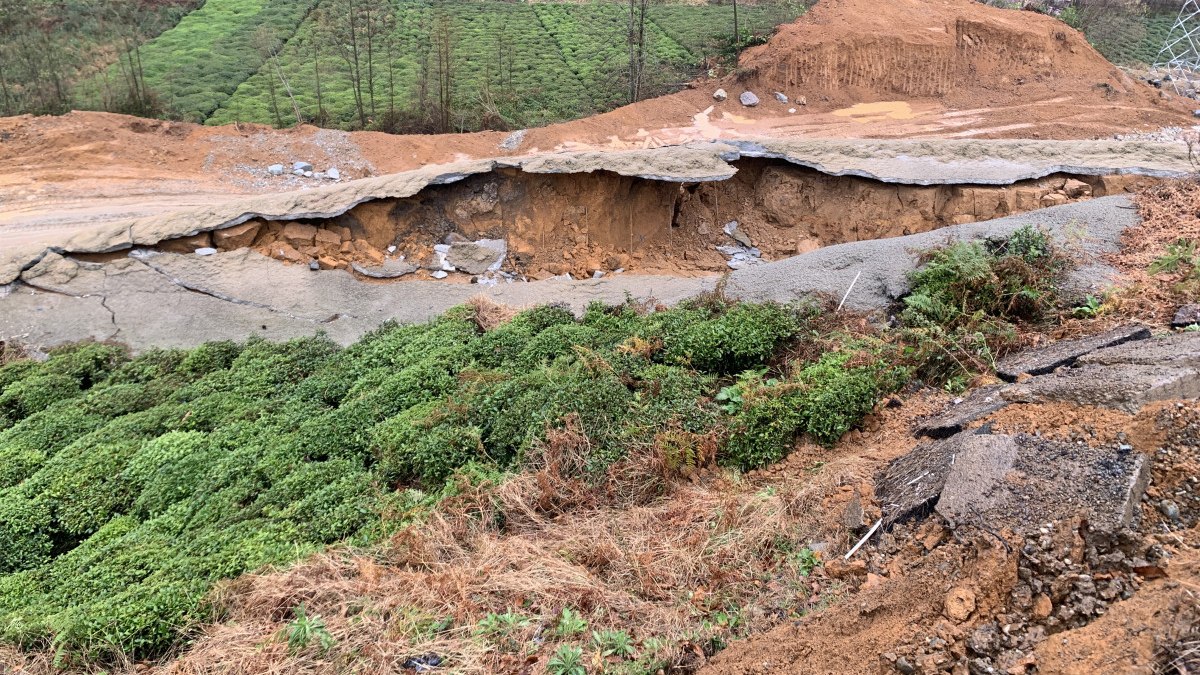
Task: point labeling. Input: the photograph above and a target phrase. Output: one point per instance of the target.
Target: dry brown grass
(489, 313)
(635, 551)
(1170, 211)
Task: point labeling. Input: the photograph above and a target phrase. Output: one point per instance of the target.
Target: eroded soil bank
(584, 223)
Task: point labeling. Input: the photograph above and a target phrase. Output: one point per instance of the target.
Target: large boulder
(477, 257)
(748, 99)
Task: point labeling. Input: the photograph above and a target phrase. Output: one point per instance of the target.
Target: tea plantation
(537, 63)
(130, 486)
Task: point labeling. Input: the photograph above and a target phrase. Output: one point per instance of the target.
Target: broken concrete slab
(390, 269)
(1125, 387)
(1022, 481)
(477, 257)
(1179, 350)
(977, 404)
(910, 484)
(974, 484)
(1186, 315)
(1064, 352)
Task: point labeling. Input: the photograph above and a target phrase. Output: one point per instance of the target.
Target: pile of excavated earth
(1042, 523)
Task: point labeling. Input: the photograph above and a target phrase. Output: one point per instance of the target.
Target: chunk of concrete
(1065, 352)
(1124, 387)
(974, 484)
(238, 236)
(1186, 315)
(477, 257)
(390, 269)
(1021, 481)
(977, 404)
(1179, 350)
(910, 484)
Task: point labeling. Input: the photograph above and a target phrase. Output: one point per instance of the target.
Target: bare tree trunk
(317, 76)
(356, 71)
(737, 36)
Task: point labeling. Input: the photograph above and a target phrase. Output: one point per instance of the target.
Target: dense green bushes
(129, 486)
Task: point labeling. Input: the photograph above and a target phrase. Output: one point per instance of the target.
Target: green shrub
(425, 443)
(966, 283)
(168, 469)
(743, 337)
(37, 392)
(25, 533)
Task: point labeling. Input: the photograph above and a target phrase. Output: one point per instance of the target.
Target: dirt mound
(962, 53)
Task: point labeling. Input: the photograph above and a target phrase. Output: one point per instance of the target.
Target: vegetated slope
(128, 487)
(963, 53)
(532, 64)
(47, 48)
(194, 67)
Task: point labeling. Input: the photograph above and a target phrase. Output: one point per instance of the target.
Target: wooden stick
(856, 276)
(864, 539)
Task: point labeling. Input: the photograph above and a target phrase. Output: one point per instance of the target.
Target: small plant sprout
(566, 660)
(304, 629)
(570, 623)
(613, 643)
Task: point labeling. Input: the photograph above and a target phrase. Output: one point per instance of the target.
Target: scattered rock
(275, 169)
(299, 234)
(390, 269)
(1065, 352)
(792, 111)
(720, 95)
(801, 100)
(959, 603)
(186, 244)
(207, 250)
(1077, 188)
(1186, 315)
(840, 569)
(314, 265)
(741, 256)
(733, 229)
(781, 97)
(852, 514)
(1042, 607)
(308, 174)
(238, 236)
(513, 140)
(1055, 199)
(1169, 509)
(439, 274)
(598, 274)
(748, 99)
(485, 255)
(302, 167)
(333, 174)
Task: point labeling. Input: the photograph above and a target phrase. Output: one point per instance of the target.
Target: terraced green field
(535, 63)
